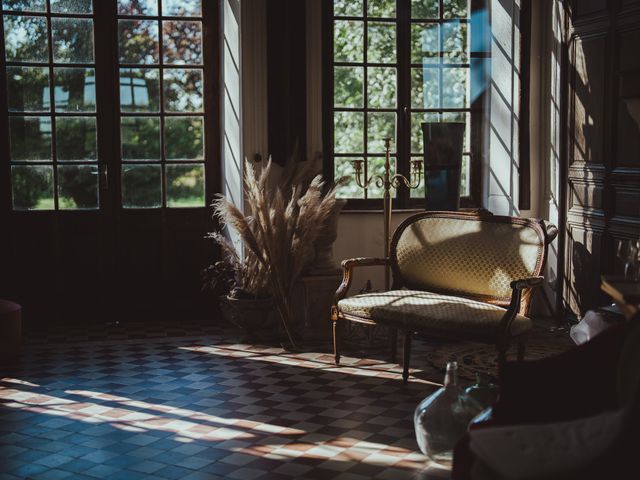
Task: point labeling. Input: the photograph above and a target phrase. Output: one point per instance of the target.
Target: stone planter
(256, 317)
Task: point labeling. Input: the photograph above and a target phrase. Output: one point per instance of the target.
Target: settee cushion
(432, 312)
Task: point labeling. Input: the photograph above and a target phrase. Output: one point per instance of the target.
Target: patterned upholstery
(426, 311)
(470, 256)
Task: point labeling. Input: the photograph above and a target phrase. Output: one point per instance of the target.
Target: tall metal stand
(388, 182)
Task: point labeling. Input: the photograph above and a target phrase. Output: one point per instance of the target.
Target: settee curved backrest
(472, 255)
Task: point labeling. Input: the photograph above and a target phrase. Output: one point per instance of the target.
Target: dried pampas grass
(282, 228)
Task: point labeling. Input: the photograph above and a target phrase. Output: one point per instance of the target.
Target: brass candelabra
(386, 181)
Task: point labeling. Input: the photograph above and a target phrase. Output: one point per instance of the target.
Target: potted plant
(245, 300)
(286, 217)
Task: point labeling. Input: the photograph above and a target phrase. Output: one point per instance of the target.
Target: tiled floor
(204, 408)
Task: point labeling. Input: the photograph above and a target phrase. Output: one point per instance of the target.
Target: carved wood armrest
(528, 282)
(551, 232)
(347, 267)
(514, 306)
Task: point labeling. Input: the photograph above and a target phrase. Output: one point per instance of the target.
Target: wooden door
(603, 174)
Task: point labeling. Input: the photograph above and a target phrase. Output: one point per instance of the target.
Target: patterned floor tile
(199, 405)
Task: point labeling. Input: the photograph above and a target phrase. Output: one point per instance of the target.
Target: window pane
(425, 44)
(348, 132)
(32, 187)
(419, 191)
(140, 138)
(75, 89)
(347, 8)
(139, 90)
(381, 8)
(28, 89)
(185, 185)
(182, 8)
(77, 187)
(138, 41)
(376, 167)
(456, 9)
(425, 9)
(137, 7)
(380, 125)
(76, 138)
(182, 42)
(184, 138)
(347, 86)
(425, 88)
(141, 186)
(416, 129)
(30, 138)
(182, 90)
(343, 168)
(72, 40)
(348, 41)
(25, 39)
(24, 5)
(382, 43)
(71, 6)
(381, 89)
(454, 42)
(465, 177)
(454, 88)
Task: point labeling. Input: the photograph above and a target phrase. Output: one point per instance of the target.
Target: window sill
(379, 211)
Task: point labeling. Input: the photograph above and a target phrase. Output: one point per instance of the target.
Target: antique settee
(463, 275)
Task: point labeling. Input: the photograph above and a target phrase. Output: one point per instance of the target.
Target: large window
(395, 64)
(142, 145)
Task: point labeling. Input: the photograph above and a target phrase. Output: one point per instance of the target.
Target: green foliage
(347, 8)
(25, 38)
(348, 86)
(427, 9)
(382, 43)
(78, 186)
(72, 40)
(31, 185)
(381, 8)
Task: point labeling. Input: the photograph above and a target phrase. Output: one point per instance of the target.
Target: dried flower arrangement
(280, 232)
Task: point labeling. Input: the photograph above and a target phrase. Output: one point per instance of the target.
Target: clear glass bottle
(441, 419)
(484, 391)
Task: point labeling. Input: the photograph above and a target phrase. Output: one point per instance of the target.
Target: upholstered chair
(455, 275)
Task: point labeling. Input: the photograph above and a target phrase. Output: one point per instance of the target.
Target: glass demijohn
(441, 419)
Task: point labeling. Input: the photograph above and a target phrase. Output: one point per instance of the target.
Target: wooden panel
(587, 99)
(585, 197)
(584, 252)
(586, 8)
(56, 265)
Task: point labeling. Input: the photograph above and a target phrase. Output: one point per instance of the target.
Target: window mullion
(404, 96)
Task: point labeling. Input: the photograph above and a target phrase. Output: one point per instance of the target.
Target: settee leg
(521, 350)
(406, 355)
(393, 335)
(336, 342)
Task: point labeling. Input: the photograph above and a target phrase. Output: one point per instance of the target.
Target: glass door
(109, 112)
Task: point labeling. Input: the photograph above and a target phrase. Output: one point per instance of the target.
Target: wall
(231, 121)
(500, 169)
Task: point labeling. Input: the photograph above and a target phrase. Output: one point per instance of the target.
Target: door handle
(104, 173)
